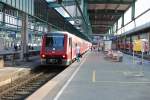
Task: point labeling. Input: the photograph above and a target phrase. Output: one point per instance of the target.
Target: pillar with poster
(140, 45)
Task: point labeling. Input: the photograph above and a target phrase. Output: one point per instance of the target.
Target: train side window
(70, 42)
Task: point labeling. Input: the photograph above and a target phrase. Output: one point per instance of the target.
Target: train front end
(53, 50)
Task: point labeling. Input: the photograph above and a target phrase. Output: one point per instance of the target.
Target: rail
(24, 86)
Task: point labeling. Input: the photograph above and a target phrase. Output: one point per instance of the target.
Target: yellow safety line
(94, 76)
(126, 82)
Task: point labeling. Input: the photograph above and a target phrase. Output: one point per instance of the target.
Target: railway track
(25, 86)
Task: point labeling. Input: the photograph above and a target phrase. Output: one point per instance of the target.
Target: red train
(59, 48)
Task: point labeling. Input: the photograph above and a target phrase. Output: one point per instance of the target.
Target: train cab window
(55, 42)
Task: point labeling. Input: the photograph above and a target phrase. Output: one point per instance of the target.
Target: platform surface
(96, 78)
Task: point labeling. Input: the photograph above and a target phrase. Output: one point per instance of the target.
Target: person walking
(77, 53)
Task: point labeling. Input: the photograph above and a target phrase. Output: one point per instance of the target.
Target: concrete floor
(100, 79)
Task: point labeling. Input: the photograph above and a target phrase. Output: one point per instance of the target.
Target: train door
(70, 47)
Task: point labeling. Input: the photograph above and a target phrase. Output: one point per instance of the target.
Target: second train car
(59, 48)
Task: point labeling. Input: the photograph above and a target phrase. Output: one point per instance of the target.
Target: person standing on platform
(77, 50)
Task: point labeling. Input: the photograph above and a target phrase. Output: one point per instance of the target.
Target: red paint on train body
(59, 48)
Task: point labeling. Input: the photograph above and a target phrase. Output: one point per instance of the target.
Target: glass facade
(24, 5)
(11, 25)
(142, 14)
(11, 22)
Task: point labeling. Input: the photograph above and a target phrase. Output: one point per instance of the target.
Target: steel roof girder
(133, 11)
(107, 12)
(110, 2)
(64, 2)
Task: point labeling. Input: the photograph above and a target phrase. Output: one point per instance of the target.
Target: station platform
(95, 78)
(19, 68)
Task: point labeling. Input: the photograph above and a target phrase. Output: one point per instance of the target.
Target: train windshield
(55, 42)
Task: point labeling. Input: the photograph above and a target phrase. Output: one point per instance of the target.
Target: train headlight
(43, 56)
(64, 56)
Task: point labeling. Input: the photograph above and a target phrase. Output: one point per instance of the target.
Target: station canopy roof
(104, 13)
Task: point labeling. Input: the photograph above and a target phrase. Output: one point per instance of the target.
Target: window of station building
(9, 2)
(45, 29)
(1, 13)
(10, 20)
(32, 25)
(127, 16)
(27, 5)
(5, 1)
(21, 5)
(119, 22)
(141, 6)
(1, 16)
(122, 30)
(24, 5)
(130, 26)
(62, 12)
(19, 23)
(17, 5)
(119, 32)
(115, 27)
(13, 3)
(30, 7)
(143, 19)
(6, 18)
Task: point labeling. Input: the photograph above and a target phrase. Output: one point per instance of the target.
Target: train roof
(61, 32)
(55, 32)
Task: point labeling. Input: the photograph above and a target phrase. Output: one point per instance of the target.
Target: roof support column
(111, 30)
(24, 37)
(133, 13)
(83, 7)
(80, 10)
(3, 16)
(116, 26)
(122, 25)
(86, 15)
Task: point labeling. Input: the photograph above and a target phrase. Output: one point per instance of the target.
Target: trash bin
(1, 62)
